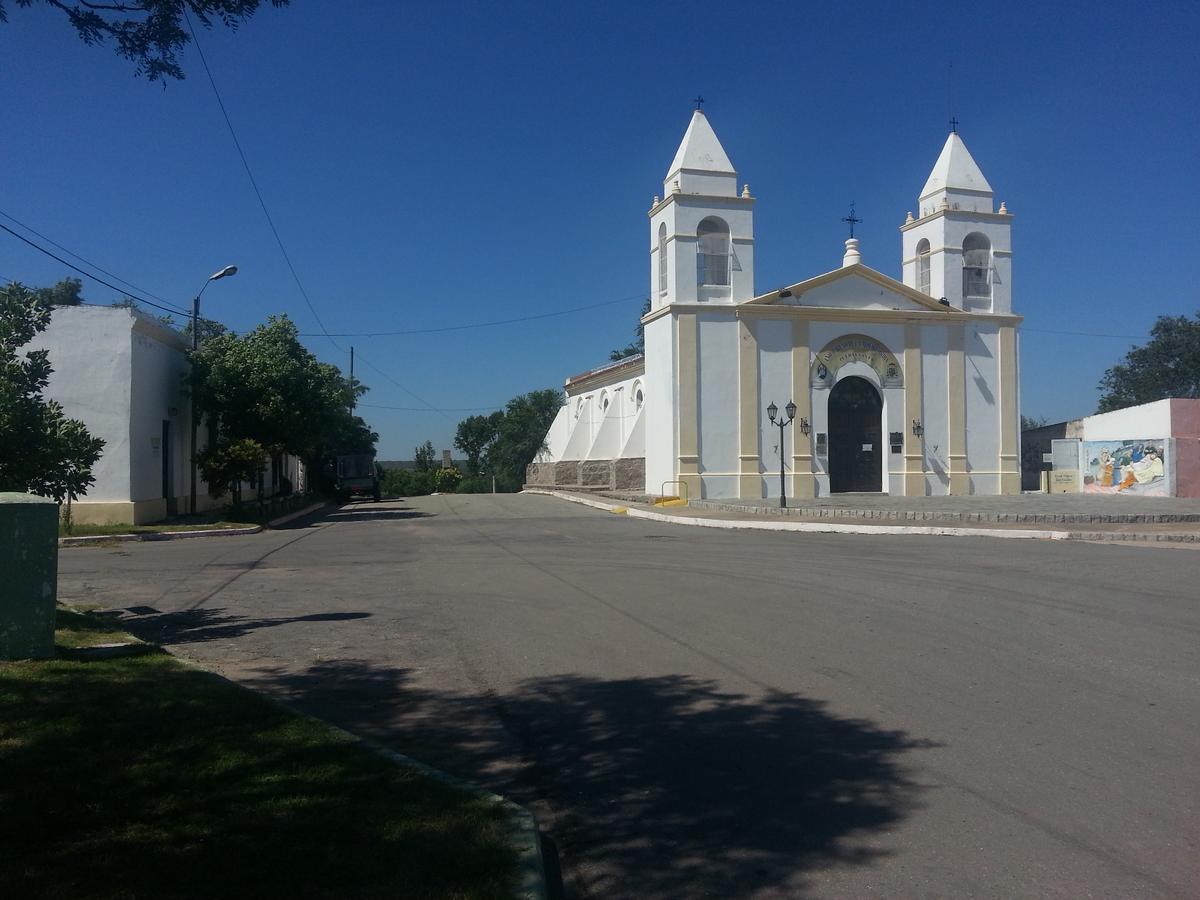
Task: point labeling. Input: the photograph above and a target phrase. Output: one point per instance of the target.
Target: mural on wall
(1124, 467)
(855, 348)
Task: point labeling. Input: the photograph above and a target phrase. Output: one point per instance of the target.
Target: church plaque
(856, 348)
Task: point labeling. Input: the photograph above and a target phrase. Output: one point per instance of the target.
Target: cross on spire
(852, 219)
(699, 101)
(954, 125)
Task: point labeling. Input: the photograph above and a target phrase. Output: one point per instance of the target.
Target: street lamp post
(773, 411)
(224, 273)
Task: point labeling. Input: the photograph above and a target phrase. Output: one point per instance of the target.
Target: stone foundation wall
(592, 474)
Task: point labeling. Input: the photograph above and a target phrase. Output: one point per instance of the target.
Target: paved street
(706, 713)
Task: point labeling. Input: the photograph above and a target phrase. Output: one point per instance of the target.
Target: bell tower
(959, 247)
(701, 228)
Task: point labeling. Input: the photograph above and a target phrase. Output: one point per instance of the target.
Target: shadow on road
(368, 514)
(657, 787)
(193, 626)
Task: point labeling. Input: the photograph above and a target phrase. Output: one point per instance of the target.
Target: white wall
(90, 351)
(1150, 420)
(774, 386)
(662, 403)
(717, 410)
(157, 395)
(935, 402)
(983, 411)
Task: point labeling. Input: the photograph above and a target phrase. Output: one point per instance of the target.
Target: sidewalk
(1036, 516)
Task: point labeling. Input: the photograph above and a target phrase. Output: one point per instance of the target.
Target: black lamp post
(772, 412)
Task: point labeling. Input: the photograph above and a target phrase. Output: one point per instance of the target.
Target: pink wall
(1185, 428)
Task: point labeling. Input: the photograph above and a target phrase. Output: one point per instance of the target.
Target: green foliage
(475, 484)
(475, 435)
(41, 450)
(425, 457)
(67, 292)
(148, 33)
(507, 442)
(1028, 423)
(207, 330)
(228, 463)
(638, 346)
(397, 482)
(1167, 366)
(447, 480)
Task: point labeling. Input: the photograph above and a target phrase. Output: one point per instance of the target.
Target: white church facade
(900, 387)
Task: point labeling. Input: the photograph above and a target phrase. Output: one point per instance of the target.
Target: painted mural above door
(855, 348)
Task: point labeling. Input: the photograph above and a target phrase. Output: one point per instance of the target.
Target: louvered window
(923, 267)
(977, 263)
(712, 258)
(662, 259)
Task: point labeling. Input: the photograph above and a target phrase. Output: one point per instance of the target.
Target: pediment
(851, 287)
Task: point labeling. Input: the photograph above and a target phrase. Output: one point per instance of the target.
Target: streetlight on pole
(224, 273)
(773, 411)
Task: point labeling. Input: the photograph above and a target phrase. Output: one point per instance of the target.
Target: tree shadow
(375, 515)
(649, 787)
(194, 626)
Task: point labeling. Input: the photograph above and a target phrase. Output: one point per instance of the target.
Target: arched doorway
(855, 437)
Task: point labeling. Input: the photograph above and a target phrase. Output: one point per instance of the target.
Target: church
(848, 381)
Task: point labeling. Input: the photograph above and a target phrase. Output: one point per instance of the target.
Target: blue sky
(445, 164)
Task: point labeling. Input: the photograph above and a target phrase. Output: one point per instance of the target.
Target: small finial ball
(1003, 209)
(675, 186)
(745, 190)
(909, 220)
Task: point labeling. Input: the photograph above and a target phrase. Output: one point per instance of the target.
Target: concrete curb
(812, 527)
(275, 523)
(179, 535)
(523, 827)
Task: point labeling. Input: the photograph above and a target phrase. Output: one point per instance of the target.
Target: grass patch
(140, 777)
(79, 530)
(75, 628)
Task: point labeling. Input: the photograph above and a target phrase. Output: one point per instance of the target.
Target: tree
(228, 463)
(424, 457)
(148, 33)
(1029, 423)
(638, 346)
(474, 436)
(41, 450)
(521, 435)
(265, 386)
(1167, 366)
(67, 292)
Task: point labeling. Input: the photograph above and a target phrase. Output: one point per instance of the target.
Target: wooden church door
(855, 437)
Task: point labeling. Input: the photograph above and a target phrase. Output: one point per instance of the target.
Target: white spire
(955, 170)
(701, 165)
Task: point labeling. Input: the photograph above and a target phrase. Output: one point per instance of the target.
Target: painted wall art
(1131, 467)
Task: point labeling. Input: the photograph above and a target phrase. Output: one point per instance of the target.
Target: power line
(38, 247)
(442, 409)
(1132, 337)
(425, 403)
(561, 312)
(70, 252)
(253, 182)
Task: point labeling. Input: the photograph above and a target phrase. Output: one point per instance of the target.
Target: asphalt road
(693, 712)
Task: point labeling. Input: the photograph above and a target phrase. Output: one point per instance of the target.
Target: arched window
(923, 266)
(662, 258)
(712, 258)
(638, 397)
(977, 263)
(604, 401)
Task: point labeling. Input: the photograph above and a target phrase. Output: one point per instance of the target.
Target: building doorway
(168, 480)
(855, 437)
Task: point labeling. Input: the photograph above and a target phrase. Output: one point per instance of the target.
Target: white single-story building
(120, 371)
(902, 386)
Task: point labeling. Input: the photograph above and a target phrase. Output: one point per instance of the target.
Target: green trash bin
(28, 576)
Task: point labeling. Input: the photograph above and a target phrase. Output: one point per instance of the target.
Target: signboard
(855, 348)
(1064, 481)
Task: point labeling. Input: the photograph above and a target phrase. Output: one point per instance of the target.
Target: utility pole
(353, 398)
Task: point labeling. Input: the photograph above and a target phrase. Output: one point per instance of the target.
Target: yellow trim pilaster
(688, 470)
(957, 413)
(803, 483)
(914, 447)
(749, 479)
(1010, 461)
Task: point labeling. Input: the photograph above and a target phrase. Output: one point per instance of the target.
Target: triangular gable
(850, 287)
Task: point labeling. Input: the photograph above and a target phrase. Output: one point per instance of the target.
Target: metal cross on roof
(852, 219)
(699, 101)
(954, 124)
